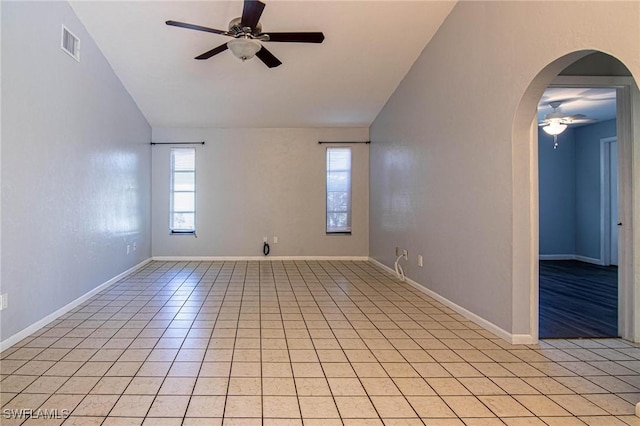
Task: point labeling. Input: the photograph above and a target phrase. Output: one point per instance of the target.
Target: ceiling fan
(555, 122)
(246, 31)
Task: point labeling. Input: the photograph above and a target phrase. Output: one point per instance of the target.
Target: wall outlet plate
(275, 240)
(4, 301)
(265, 239)
(420, 261)
(405, 254)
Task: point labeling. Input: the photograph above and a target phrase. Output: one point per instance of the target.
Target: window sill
(339, 233)
(182, 232)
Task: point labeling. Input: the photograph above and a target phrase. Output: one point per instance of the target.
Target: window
(182, 215)
(338, 190)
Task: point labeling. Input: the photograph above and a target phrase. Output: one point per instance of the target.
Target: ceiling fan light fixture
(554, 128)
(244, 48)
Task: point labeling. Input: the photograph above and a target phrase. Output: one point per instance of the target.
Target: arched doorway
(526, 202)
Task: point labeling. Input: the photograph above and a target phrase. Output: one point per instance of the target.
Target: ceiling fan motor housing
(237, 30)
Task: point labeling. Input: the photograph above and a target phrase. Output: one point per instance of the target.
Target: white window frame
(334, 230)
(172, 191)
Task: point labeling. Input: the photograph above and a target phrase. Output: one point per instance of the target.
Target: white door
(613, 206)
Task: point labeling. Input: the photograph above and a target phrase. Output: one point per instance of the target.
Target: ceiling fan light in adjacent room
(244, 48)
(554, 128)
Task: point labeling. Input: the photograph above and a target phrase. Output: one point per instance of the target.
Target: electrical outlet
(405, 254)
(135, 246)
(128, 248)
(4, 301)
(265, 239)
(275, 240)
(397, 251)
(420, 260)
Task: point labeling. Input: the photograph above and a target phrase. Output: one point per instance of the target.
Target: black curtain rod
(178, 143)
(322, 142)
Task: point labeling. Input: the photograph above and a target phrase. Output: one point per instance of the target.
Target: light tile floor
(291, 343)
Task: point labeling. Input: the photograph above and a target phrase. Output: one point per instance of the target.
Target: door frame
(627, 100)
(605, 199)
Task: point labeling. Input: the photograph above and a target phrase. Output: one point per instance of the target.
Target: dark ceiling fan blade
(195, 27)
(251, 13)
(297, 37)
(268, 58)
(212, 52)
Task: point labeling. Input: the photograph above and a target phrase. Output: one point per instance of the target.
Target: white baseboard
(588, 260)
(557, 257)
(570, 257)
(522, 339)
(10, 341)
(487, 325)
(253, 258)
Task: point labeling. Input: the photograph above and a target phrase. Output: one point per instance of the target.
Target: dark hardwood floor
(578, 299)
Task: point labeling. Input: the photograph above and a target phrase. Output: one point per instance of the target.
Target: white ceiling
(595, 103)
(369, 47)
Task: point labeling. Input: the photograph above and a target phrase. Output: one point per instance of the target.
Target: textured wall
(253, 183)
(75, 167)
(451, 162)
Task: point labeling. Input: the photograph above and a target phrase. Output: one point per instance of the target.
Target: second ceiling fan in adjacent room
(556, 122)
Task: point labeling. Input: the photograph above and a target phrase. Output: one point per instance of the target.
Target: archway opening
(586, 71)
(578, 204)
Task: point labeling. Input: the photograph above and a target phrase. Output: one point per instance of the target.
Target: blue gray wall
(557, 175)
(76, 167)
(588, 186)
(570, 190)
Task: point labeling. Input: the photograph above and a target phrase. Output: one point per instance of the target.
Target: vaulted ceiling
(369, 47)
